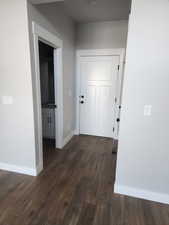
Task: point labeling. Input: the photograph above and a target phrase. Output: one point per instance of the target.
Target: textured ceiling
(98, 10)
(84, 11)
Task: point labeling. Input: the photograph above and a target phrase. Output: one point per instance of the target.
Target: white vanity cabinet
(48, 123)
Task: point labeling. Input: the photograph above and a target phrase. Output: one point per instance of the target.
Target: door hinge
(113, 129)
(118, 67)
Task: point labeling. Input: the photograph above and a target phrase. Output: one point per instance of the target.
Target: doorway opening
(48, 93)
(99, 93)
(48, 106)
(99, 79)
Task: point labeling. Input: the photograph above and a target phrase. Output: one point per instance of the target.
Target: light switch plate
(147, 110)
(7, 100)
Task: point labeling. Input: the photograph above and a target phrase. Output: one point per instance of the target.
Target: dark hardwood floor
(75, 188)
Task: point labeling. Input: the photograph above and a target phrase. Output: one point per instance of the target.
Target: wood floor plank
(75, 188)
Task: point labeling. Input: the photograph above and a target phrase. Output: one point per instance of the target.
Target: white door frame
(39, 33)
(99, 52)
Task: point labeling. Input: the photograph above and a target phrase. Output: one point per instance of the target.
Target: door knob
(81, 102)
(82, 96)
(118, 120)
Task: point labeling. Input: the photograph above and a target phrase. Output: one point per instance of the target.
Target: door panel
(88, 111)
(98, 86)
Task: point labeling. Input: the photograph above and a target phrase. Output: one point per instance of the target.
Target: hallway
(76, 188)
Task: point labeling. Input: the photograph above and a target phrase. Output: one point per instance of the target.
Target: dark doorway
(47, 83)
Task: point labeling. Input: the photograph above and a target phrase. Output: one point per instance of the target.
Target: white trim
(39, 33)
(58, 71)
(39, 169)
(76, 132)
(102, 52)
(46, 35)
(17, 169)
(68, 138)
(140, 193)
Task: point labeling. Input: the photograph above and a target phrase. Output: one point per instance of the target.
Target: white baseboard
(39, 169)
(115, 138)
(68, 138)
(143, 194)
(18, 169)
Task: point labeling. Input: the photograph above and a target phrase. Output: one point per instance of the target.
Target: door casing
(100, 52)
(40, 33)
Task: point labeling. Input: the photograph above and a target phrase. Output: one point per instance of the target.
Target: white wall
(143, 154)
(112, 34)
(55, 20)
(17, 144)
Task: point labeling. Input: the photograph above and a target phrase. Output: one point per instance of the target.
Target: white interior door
(98, 85)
